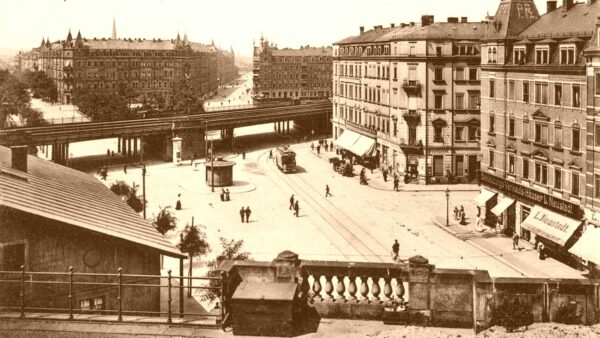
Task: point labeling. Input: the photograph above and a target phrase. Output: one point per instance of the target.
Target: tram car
(285, 159)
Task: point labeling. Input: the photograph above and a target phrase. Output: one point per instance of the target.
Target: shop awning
(502, 206)
(485, 196)
(347, 139)
(550, 225)
(587, 246)
(363, 146)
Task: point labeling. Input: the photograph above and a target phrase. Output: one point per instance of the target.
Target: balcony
(370, 131)
(411, 146)
(412, 117)
(411, 87)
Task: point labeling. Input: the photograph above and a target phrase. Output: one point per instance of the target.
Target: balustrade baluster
(328, 288)
(387, 290)
(364, 289)
(304, 286)
(399, 291)
(352, 289)
(375, 290)
(317, 288)
(340, 289)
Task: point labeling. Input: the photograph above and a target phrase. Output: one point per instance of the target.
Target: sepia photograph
(384, 168)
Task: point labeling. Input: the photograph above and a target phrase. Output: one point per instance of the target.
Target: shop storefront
(485, 202)
(505, 211)
(555, 231)
(587, 249)
(357, 146)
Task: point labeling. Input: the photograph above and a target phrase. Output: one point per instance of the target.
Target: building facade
(303, 73)
(536, 166)
(149, 68)
(413, 90)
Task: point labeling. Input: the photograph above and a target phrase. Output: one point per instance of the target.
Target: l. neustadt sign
(533, 196)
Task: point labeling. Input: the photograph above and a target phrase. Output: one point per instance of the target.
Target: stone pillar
(287, 271)
(419, 290)
(135, 147)
(119, 145)
(287, 127)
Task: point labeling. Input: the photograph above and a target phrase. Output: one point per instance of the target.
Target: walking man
(178, 204)
(395, 250)
(242, 212)
(385, 175)
(515, 239)
(292, 202)
(327, 192)
(396, 183)
(247, 212)
(296, 208)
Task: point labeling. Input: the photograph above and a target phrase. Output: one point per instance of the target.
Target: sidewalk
(525, 259)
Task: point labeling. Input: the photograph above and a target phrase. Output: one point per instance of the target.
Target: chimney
(568, 4)
(550, 6)
(464, 19)
(426, 20)
(19, 157)
(452, 19)
(362, 30)
(392, 25)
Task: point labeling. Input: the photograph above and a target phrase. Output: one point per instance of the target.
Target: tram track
(335, 222)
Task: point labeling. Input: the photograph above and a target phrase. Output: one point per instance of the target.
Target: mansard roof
(577, 21)
(512, 17)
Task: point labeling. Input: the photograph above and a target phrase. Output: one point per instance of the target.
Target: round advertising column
(221, 171)
(176, 150)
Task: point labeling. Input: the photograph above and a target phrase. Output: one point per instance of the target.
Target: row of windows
(539, 92)
(296, 59)
(567, 55)
(133, 74)
(462, 133)
(294, 85)
(543, 174)
(547, 133)
(472, 102)
(113, 85)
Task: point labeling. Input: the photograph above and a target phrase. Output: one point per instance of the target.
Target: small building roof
(304, 51)
(72, 197)
(579, 20)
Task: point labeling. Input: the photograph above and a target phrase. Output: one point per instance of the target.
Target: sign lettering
(532, 196)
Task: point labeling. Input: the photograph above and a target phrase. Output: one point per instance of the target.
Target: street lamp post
(212, 167)
(447, 192)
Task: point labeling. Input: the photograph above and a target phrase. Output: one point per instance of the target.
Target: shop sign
(522, 193)
(592, 216)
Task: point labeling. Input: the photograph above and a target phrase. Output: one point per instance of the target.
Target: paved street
(358, 223)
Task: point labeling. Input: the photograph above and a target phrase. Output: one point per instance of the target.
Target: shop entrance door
(473, 166)
(511, 220)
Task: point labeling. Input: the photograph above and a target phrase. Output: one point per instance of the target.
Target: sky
(229, 23)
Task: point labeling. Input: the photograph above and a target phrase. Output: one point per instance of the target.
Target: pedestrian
(456, 213)
(270, 153)
(125, 168)
(292, 202)
(312, 146)
(515, 239)
(222, 194)
(178, 204)
(331, 145)
(319, 149)
(384, 175)
(463, 216)
(326, 147)
(296, 208)
(227, 195)
(541, 248)
(243, 155)
(327, 192)
(108, 152)
(247, 212)
(395, 249)
(242, 213)
(396, 184)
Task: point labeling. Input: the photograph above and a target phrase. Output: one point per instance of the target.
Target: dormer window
(492, 55)
(541, 55)
(519, 55)
(567, 55)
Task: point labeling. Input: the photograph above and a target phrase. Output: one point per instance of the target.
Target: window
(438, 137)
(558, 136)
(473, 100)
(13, 256)
(492, 123)
(492, 89)
(460, 99)
(458, 133)
(597, 136)
(596, 186)
(538, 92)
(438, 50)
(511, 164)
(460, 74)
(511, 127)
(558, 94)
(519, 55)
(96, 303)
(541, 133)
(438, 74)
(525, 130)
(492, 162)
(557, 178)
(439, 99)
(511, 90)
(395, 73)
(575, 139)
(567, 55)
(525, 91)
(575, 184)
(597, 83)
(544, 93)
(576, 96)
(473, 133)
(473, 74)
(525, 173)
(541, 173)
(541, 55)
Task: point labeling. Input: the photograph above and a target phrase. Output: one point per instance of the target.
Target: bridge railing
(117, 296)
(217, 108)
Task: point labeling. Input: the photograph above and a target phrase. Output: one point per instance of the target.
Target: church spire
(178, 43)
(186, 42)
(69, 36)
(114, 29)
